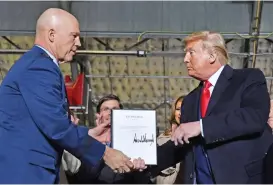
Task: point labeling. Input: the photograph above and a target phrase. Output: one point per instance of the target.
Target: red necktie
(205, 97)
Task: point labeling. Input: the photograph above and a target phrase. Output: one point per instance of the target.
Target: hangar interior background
(135, 50)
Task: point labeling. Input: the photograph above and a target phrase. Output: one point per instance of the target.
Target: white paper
(134, 133)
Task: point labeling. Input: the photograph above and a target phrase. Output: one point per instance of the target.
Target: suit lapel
(197, 103)
(192, 109)
(221, 84)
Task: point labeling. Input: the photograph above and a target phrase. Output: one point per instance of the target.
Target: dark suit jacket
(236, 133)
(269, 166)
(34, 123)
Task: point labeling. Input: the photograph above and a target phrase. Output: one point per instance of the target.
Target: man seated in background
(101, 174)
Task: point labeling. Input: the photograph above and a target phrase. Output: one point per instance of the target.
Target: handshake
(120, 163)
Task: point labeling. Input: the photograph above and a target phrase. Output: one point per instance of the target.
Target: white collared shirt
(213, 79)
(50, 55)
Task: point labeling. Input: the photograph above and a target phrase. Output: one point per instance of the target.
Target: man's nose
(186, 58)
(78, 42)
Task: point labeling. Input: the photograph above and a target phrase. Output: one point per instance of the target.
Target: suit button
(191, 176)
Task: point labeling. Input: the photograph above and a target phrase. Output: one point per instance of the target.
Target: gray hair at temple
(213, 42)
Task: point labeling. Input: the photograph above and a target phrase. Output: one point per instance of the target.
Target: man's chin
(68, 59)
(191, 74)
(62, 62)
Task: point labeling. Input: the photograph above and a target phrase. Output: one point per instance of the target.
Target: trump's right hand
(117, 161)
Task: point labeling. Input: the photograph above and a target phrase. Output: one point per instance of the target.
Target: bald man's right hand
(117, 161)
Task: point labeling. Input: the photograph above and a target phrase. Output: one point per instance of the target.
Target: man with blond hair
(223, 136)
(35, 125)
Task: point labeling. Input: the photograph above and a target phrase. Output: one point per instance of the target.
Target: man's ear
(212, 57)
(51, 35)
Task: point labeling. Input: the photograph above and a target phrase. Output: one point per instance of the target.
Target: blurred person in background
(73, 164)
(168, 176)
(270, 118)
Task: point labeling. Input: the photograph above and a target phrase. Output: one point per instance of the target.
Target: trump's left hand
(186, 131)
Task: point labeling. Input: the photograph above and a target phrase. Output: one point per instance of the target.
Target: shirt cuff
(201, 125)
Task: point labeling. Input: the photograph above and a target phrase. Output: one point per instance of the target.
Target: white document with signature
(134, 133)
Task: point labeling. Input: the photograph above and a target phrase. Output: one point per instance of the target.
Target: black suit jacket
(236, 133)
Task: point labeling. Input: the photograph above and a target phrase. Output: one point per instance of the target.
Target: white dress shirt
(213, 79)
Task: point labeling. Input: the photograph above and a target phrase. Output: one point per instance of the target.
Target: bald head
(53, 18)
(58, 32)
